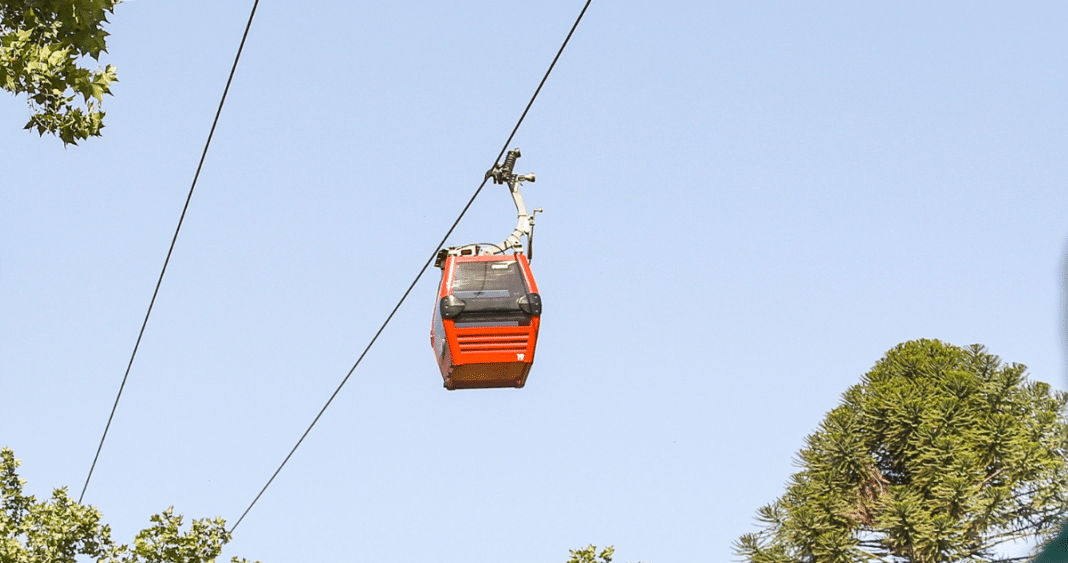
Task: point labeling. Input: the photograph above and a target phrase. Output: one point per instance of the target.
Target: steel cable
(170, 250)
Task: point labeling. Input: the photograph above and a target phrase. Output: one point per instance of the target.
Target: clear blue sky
(746, 205)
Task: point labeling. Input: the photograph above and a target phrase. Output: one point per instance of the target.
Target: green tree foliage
(589, 555)
(42, 43)
(59, 530)
(940, 454)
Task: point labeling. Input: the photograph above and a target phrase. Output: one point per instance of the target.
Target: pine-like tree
(940, 454)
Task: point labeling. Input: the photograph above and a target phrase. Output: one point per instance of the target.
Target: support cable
(170, 250)
(433, 255)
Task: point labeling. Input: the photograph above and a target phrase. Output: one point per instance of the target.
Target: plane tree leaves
(60, 530)
(43, 44)
(589, 554)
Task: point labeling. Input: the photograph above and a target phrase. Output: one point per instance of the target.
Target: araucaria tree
(42, 43)
(940, 454)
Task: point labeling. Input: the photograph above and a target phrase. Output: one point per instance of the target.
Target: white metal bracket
(524, 227)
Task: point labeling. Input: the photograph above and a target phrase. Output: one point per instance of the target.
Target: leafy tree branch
(42, 43)
(940, 455)
(60, 530)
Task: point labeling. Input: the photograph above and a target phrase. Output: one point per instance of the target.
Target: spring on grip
(509, 162)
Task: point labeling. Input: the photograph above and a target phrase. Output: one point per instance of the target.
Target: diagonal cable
(420, 274)
(170, 250)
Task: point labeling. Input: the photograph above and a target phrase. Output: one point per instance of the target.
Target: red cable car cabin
(486, 321)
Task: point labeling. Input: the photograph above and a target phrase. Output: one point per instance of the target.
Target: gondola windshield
(491, 294)
(488, 280)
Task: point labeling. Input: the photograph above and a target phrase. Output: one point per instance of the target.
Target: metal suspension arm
(524, 226)
(525, 221)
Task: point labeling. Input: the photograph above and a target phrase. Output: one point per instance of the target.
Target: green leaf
(41, 44)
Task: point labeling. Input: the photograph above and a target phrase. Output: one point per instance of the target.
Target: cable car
(486, 322)
(488, 309)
